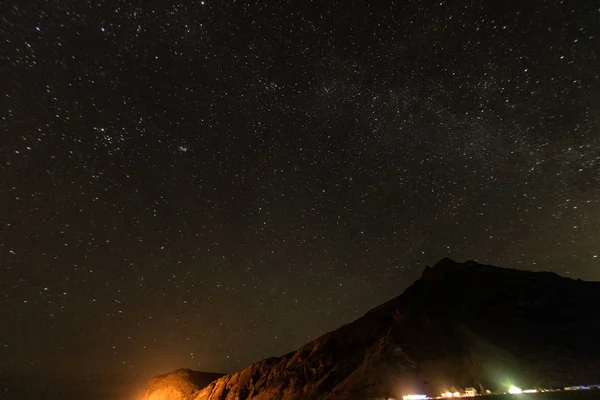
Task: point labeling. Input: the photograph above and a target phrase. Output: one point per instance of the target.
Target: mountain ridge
(459, 325)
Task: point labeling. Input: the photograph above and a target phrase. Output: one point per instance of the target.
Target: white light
(450, 394)
(514, 390)
(415, 397)
(530, 391)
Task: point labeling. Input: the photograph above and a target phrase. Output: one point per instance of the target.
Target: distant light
(102, 29)
(578, 388)
(451, 394)
(415, 397)
(514, 390)
(37, 28)
(530, 391)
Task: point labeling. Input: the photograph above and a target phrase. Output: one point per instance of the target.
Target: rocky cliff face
(182, 384)
(461, 324)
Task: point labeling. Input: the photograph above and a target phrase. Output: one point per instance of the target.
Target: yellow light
(514, 390)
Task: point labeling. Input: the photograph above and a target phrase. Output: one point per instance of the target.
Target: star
(198, 179)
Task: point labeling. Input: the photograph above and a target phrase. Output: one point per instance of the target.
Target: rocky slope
(461, 324)
(182, 384)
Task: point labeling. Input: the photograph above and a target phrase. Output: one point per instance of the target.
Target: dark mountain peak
(447, 267)
(444, 262)
(460, 325)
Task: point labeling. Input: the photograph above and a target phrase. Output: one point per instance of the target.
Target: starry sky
(208, 183)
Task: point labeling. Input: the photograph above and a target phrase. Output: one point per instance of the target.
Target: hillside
(182, 384)
(459, 325)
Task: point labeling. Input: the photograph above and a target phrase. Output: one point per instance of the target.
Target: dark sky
(208, 183)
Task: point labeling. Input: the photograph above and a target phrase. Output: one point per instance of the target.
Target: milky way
(206, 184)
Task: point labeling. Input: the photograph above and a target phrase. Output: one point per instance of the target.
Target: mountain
(182, 384)
(459, 325)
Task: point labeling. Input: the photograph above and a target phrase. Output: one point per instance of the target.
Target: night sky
(205, 184)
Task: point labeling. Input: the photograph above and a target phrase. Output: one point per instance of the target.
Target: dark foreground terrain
(578, 395)
(459, 325)
(29, 387)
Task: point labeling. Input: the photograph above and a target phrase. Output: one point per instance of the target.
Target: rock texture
(460, 325)
(182, 384)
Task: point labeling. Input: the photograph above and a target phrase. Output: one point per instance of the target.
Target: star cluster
(208, 183)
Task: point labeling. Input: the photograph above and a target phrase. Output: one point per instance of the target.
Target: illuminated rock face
(460, 325)
(182, 384)
(169, 393)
